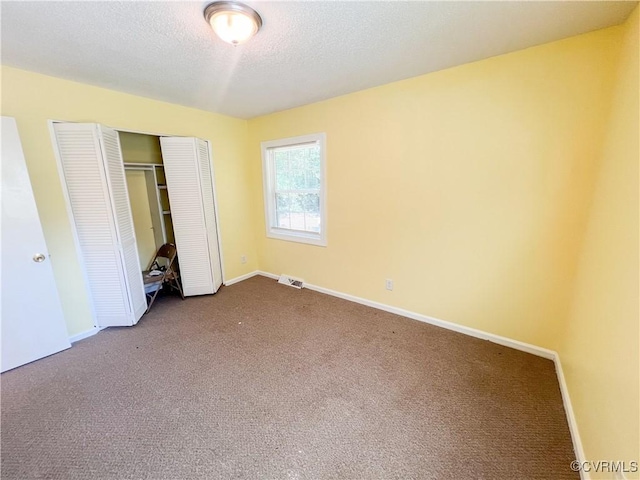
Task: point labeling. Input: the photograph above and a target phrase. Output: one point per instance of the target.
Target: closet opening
(148, 194)
(128, 194)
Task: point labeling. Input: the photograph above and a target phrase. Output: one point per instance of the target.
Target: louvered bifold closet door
(182, 172)
(208, 202)
(114, 166)
(87, 190)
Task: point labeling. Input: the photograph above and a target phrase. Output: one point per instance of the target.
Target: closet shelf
(162, 187)
(166, 212)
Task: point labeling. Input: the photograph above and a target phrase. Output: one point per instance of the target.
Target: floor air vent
(290, 281)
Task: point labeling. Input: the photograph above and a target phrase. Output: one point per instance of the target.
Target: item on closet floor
(161, 272)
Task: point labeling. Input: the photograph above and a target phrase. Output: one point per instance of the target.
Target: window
(294, 186)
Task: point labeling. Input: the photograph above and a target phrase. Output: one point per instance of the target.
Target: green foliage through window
(297, 187)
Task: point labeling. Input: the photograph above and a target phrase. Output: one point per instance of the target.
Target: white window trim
(268, 178)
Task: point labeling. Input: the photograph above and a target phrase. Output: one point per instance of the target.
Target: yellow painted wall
(599, 350)
(141, 213)
(468, 187)
(33, 99)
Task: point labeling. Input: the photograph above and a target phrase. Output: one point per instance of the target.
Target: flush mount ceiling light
(233, 22)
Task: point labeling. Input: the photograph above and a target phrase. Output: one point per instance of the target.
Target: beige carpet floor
(263, 381)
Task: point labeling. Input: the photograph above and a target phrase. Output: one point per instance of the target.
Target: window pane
(312, 212)
(282, 170)
(297, 157)
(297, 168)
(298, 181)
(282, 210)
(304, 211)
(297, 211)
(313, 168)
(296, 203)
(284, 220)
(313, 222)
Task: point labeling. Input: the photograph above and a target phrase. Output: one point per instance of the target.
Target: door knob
(39, 258)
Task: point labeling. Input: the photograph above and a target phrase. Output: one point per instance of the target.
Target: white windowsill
(299, 237)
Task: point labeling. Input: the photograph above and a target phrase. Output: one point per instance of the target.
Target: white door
(190, 187)
(114, 166)
(93, 178)
(32, 323)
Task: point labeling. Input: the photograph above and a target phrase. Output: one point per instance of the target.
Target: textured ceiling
(305, 52)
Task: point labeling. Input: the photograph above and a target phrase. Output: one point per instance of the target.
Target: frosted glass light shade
(233, 22)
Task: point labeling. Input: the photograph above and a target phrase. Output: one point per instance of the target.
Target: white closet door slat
(206, 181)
(89, 199)
(180, 158)
(114, 165)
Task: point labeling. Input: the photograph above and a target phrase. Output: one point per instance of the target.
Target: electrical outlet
(388, 284)
(243, 259)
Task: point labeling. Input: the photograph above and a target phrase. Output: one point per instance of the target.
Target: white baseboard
(507, 342)
(86, 334)
(571, 419)
(241, 278)
(267, 274)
